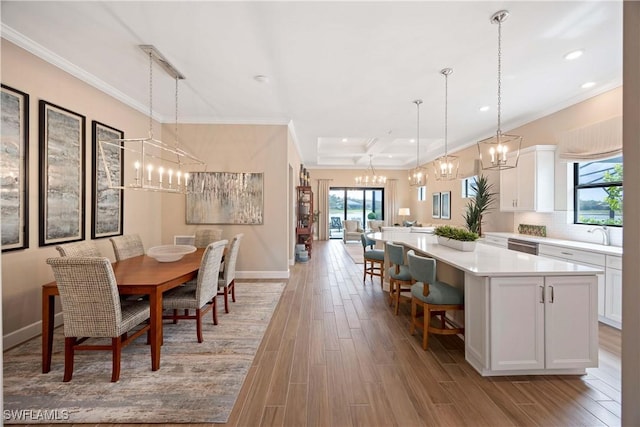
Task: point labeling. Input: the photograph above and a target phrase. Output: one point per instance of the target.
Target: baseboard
(24, 334)
(262, 274)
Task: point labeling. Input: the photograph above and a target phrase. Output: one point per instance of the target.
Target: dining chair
(91, 308)
(400, 279)
(436, 299)
(206, 236)
(373, 259)
(127, 246)
(197, 297)
(79, 249)
(227, 275)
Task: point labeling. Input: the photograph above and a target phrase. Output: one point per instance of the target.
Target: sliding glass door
(353, 203)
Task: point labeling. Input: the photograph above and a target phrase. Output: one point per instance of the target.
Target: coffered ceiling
(342, 75)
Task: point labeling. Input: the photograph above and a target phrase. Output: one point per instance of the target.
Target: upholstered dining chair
(127, 246)
(227, 277)
(79, 249)
(206, 236)
(91, 308)
(196, 297)
(400, 279)
(436, 299)
(373, 259)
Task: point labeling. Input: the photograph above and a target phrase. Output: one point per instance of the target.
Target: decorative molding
(28, 332)
(284, 274)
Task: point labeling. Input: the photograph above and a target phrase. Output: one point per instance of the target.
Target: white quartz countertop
(572, 244)
(485, 260)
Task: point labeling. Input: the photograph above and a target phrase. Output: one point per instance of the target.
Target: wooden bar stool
(373, 259)
(400, 279)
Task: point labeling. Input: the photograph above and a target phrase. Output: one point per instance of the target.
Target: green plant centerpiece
(456, 238)
(481, 203)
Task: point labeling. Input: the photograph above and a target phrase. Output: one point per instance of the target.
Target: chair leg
(425, 331)
(116, 348)
(226, 299)
(198, 325)
(397, 295)
(364, 275)
(232, 286)
(175, 316)
(214, 310)
(69, 342)
(414, 316)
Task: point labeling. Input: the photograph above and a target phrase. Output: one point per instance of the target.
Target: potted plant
(480, 204)
(456, 238)
(372, 215)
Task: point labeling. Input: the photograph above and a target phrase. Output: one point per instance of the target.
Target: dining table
(139, 275)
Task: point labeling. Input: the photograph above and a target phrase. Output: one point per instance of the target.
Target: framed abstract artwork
(225, 198)
(62, 175)
(14, 172)
(435, 208)
(445, 205)
(106, 203)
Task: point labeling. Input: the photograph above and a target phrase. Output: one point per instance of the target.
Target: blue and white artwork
(225, 198)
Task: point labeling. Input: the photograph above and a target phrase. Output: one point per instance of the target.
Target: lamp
(370, 177)
(446, 166)
(418, 175)
(404, 212)
(493, 150)
(158, 166)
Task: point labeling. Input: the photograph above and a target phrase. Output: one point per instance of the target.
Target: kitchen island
(524, 314)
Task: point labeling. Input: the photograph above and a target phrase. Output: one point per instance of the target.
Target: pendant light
(501, 151)
(418, 175)
(446, 167)
(370, 177)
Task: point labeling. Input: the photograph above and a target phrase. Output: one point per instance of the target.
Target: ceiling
(342, 75)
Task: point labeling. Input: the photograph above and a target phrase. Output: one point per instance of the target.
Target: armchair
(352, 230)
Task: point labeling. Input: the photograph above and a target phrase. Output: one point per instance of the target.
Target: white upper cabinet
(529, 186)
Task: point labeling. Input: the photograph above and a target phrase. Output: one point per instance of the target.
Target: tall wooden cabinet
(304, 225)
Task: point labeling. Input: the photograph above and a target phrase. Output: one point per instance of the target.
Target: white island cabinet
(524, 314)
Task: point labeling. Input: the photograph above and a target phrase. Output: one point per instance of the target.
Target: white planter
(457, 244)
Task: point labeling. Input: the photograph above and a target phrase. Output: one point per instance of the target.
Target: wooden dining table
(140, 275)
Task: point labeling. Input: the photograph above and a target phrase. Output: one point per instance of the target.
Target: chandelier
(418, 175)
(157, 166)
(446, 167)
(370, 177)
(493, 150)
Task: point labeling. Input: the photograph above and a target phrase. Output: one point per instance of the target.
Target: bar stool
(435, 298)
(373, 259)
(400, 279)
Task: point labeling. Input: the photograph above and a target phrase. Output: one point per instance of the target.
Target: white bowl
(170, 253)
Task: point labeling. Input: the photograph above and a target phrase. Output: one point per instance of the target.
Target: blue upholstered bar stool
(373, 259)
(435, 298)
(400, 279)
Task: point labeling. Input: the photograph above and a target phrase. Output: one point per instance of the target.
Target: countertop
(486, 260)
(592, 247)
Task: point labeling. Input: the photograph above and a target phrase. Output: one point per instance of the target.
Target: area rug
(196, 383)
(354, 250)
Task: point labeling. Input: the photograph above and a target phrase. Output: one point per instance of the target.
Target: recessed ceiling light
(573, 55)
(484, 108)
(587, 85)
(260, 78)
(344, 139)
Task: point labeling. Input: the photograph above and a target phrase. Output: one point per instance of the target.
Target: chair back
(79, 249)
(207, 283)
(184, 240)
(335, 222)
(422, 269)
(395, 253)
(89, 296)
(207, 236)
(352, 225)
(127, 246)
(366, 242)
(375, 224)
(229, 273)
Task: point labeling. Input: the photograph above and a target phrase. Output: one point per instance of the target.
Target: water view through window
(361, 204)
(598, 192)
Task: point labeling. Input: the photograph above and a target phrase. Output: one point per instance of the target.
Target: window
(469, 187)
(598, 192)
(356, 203)
(422, 193)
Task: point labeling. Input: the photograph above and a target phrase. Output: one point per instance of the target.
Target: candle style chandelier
(446, 167)
(158, 166)
(418, 175)
(493, 150)
(370, 177)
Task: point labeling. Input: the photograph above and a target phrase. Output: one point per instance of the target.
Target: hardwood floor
(335, 355)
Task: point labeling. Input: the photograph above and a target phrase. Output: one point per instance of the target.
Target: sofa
(351, 230)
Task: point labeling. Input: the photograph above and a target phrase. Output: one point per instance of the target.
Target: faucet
(605, 233)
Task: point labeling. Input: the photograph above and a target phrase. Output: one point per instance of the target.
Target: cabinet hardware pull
(552, 295)
(542, 294)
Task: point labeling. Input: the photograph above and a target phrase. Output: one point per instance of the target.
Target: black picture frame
(14, 179)
(62, 174)
(107, 204)
(445, 205)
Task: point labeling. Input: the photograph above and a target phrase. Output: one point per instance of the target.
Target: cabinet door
(517, 323)
(508, 189)
(571, 322)
(526, 191)
(613, 295)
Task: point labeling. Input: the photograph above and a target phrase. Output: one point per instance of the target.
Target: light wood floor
(335, 355)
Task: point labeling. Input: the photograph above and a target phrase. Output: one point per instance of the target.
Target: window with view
(598, 192)
(468, 186)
